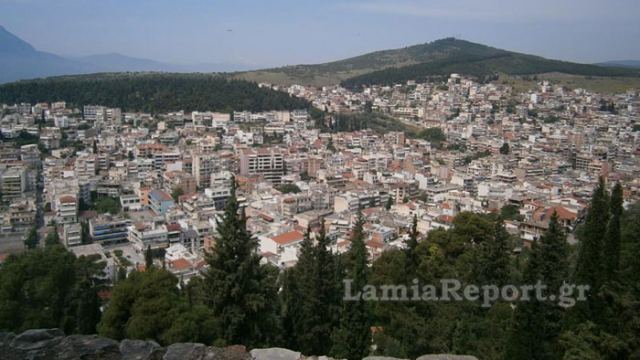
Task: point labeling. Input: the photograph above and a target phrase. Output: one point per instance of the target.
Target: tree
(353, 337)
(309, 297)
(589, 266)
(176, 193)
(107, 205)
(412, 245)
(536, 324)
(31, 240)
(389, 203)
(504, 149)
(53, 238)
(49, 287)
(494, 256)
(149, 305)
(239, 289)
(510, 212)
(330, 146)
(612, 241)
(148, 258)
(288, 188)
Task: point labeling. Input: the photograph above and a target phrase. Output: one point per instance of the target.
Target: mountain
(621, 63)
(440, 57)
(114, 62)
(19, 60)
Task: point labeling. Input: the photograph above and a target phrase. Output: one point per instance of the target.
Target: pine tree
(352, 339)
(537, 325)
(240, 290)
(612, 245)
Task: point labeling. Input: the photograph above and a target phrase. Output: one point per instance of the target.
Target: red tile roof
(288, 237)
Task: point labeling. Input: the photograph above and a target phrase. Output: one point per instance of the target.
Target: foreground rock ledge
(53, 344)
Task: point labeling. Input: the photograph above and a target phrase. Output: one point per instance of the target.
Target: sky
(263, 33)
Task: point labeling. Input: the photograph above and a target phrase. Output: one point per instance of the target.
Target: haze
(262, 33)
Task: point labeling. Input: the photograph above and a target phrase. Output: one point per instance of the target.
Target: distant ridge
(19, 60)
(440, 57)
(621, 63)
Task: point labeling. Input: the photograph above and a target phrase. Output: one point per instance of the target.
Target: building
(108, 230)
(72, 234)
(66, 209)
(268, 163)
(13, 183)
(145, 235)
(160, 202)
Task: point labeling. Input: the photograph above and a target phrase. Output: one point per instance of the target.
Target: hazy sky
(279, 32)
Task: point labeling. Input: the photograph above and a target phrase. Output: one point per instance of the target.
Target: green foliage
(589, 268)
(240, 290)
(504, 149)
(375, 121)
(434, 135)
(537, 325)
(352, 338)
(288, 188)
(311, 297)
(611, 251)
(149, 305)
(107, 205)
(153, 93)
(31, 241)
(176, 193)
(482, 66)
(510, 212)
(49, 288)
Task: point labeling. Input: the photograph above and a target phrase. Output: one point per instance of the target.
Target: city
(303, 181)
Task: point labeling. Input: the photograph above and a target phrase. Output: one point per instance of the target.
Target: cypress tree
(494, 256)
(589, 267)
(411, 245)
(612, 245)
(352, 339)
(537, 325)
(240, 290)
(148, 258)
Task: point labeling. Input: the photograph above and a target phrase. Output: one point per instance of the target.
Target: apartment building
(268, 163)
(66, 209)
(13, 183)
(106, 229)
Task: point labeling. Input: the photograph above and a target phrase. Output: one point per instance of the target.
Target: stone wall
(53, 344)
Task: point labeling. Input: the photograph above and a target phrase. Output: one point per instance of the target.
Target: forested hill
(151, 92)
(435, 58)
(483, 67)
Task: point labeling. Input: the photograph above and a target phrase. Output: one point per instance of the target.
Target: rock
(86, 347)
(185, 351)
(381, 358)
(234, 352)
(447, 357)
(275, 354)
(141, 350)
(36, 339)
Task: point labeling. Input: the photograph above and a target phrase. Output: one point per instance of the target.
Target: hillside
(151, 92)
(482, 67)
(439, 57)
